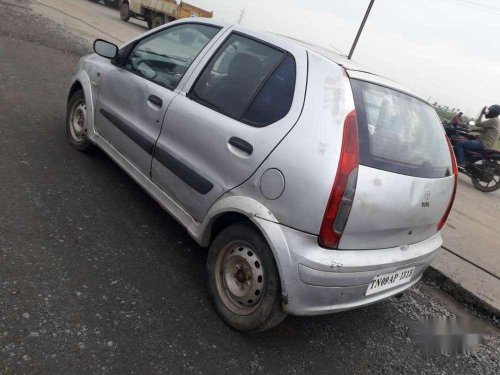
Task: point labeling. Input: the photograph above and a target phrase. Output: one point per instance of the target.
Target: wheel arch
(233, 209)
(74, 88)
(82, 81)
(240, 208)
(226, 219)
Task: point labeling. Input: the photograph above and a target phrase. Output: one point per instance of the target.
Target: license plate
(390, 280)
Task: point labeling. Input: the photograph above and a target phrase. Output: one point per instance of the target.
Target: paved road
(89, 20)
(96, 278)
(473, 227)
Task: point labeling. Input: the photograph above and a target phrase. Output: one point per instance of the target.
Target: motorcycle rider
(489, 129)
(457, 120)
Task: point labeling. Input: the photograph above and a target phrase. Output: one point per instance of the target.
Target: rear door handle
(153, 99)
(241, 144)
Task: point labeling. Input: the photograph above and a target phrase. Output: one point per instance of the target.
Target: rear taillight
(344, 186)
(442, 222)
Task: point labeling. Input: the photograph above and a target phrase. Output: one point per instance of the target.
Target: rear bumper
(320, 281)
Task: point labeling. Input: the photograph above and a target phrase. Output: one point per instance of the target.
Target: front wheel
(125, 12)
(487, 176)
(243, 279)
(77, 121)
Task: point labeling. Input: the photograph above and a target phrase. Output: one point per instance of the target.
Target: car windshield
(399, 133)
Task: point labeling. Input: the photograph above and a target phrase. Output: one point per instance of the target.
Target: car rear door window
(164, 57)
(399, 133)
(275, 99)
(245, 80)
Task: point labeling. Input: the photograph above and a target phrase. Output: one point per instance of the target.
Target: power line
(481, 5)
(474, 5)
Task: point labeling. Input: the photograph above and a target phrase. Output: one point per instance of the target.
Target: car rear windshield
(399, 133)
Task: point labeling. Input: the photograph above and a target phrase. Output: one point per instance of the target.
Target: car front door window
(165, 56)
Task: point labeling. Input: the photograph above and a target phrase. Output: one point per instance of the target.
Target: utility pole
(361, 29)
(241, 17)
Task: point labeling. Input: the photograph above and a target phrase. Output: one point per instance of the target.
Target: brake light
(344, 186)
(442, 222)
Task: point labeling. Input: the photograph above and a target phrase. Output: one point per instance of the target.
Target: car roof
(353, 69)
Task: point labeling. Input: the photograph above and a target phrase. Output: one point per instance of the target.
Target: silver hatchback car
(319, 187)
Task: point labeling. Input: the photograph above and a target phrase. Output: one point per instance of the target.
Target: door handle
(153, 99)
(241, 144)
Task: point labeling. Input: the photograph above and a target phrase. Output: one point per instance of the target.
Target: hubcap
(78, 121)
(240, 278)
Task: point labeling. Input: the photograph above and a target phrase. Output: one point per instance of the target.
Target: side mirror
(105, 49)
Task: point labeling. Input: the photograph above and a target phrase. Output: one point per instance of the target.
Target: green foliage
(446, 113)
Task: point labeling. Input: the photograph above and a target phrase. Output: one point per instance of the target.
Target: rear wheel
(487, 179)
(125, 12)
(243, 279)
(157, 21)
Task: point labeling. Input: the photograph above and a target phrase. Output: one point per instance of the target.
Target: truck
(159, 12)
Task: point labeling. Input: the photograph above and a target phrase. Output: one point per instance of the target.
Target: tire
(125, 12)
(489, 188)
(157, 21)
(484, 189)
(240, 261)
(76, 122)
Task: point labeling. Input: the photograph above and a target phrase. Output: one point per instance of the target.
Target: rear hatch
(405, 177)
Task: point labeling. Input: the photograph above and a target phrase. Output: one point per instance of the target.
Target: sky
(445, 50)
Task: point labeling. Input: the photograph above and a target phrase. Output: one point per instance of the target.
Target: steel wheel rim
(78, 121)
(240, 278)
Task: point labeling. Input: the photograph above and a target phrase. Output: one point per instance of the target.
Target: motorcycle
(483, 167)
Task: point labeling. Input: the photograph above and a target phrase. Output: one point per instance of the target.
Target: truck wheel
(157, 21)
(76, 122)
(125, 12)
(243, 279)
